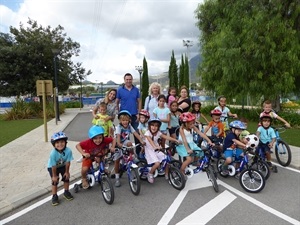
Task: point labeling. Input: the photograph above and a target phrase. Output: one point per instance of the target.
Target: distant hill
(194, 62)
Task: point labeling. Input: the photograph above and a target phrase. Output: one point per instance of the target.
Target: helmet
(145, 113)
(124, 112)
(154, 120)
(195, 103)
(215, 112)
(237, 124)
(58, 136)
(95, 130)
(187, 117)
(266, 116)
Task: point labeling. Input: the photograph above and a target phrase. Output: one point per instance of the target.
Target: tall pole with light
(187, 44)
(56, 52)
(140, 70)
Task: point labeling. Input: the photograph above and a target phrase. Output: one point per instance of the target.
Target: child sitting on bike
(144, 116)
(152, 154)
(59, 163)
(123, 131)
(217, 127)
(94, 148)
(103, 120)
(267, 136)
(196, 110)
(232, 143)
(186, 132)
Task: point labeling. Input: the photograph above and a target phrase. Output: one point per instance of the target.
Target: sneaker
(224, 172)
(166, 176)
(150, 178)
(68, 195)
(55, 200)
(79, 160)
(85, 184)
(117, 183)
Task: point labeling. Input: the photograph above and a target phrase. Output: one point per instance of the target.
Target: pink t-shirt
(171, 99)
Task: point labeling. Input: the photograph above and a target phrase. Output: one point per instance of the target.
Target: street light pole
(188, 44)
(140, 70)
(55, 52)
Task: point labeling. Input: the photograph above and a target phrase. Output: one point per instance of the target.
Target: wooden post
(44, 110)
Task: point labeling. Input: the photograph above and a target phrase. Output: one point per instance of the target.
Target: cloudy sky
(114, 35)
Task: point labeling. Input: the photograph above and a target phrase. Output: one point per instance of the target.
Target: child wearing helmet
(123, 131)
(186, 137)
(143, 127)
(152, 138)
(225, 111)
(267, 136)
(217, 127)
(59, 163)
(104, 120)
(196, 110)
(92, 149)
(231, 143)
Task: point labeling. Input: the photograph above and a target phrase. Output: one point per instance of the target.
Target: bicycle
(205, 166)
(99, 175)
(128, 165)
(175, 176)
(282, 149)
(259, 163)
(251, 180)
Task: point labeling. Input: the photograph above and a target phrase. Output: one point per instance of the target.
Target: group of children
(152, 134)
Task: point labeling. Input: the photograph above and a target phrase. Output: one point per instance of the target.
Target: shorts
(87, 162)
(263, 147)
(172, 130)
(229, 153)
(59, 170)
(181, 150)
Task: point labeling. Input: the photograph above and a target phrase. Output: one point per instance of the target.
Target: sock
(117, 176)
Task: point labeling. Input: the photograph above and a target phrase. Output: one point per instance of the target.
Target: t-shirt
(150, 104)
(174, 120)
(95, 150)
(105, 124)
(266, 135)
(228, 142)
(216, 127)
(143, 127)
(187, 101)
(224, 111)
(272, 114)
(59, 159)
(129, 99)
(124, 132)
(162, 113)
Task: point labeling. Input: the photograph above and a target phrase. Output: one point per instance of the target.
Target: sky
(115, 35)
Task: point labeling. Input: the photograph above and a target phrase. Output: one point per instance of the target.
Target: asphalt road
(160, 203)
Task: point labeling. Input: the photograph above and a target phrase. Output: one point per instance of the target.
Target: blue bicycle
(282, 149)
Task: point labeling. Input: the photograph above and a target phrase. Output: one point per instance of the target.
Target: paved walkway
(24, 175)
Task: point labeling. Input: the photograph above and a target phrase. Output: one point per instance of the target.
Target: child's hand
(287, 125)
(96, 117)
(66, 176)
(190, 151)
(86, 155)
(179, 142)
(143, 143)
(270, 145)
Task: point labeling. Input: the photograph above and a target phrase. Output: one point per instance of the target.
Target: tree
(173, 72)
(145, 81)
(26, 56)
(186, 72)
(181, 73)
(256, 53)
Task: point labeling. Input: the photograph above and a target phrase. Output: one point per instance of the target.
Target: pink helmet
(215, 112)
(187, 117)
(145, 113)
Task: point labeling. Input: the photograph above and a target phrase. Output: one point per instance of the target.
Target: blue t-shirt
(59, 159)
(124, 132)
(129, 99)
(266, 135)
(228, 142)
(162, 114)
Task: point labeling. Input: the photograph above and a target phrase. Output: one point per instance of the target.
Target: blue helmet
(154, 120)
(58, 136)
(124, 112)
(95, 130)
(238, 125)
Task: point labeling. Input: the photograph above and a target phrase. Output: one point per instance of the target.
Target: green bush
(72, 104)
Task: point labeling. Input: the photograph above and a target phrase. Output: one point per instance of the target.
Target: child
(59, 163)
(225, 111)
(196, 110)
(171, 96)
(267, 109)
(153, 135)
(163, 114)
(244, 133)
(186, 137)
(143, 127)
(91, 149)
(267, 136)
(174, 119)
(103, 120)
(123, 131)
(232, 143)
(217, 127)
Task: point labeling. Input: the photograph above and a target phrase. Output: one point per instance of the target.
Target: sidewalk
(24, 175)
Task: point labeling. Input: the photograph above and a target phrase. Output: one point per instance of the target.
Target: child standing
(196, 110)
(225, 111)
(153, 135)
(163, 114)
(59, 163)
(143, 127)
(232, 143)
(103, 120)
(267, 136)
(217, 127)
(174, 119)
(123, 131)
(186, 137)
(91, 149)
(267, 109)
(171, 96)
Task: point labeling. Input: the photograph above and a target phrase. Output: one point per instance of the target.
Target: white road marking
(205, 213)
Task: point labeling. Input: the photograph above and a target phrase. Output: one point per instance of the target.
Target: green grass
(10, 130)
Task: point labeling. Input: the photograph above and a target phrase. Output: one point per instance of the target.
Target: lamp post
(140, 70)
(56, 52)
(188, 44)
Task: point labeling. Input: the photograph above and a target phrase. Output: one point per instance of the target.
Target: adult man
(129, 98)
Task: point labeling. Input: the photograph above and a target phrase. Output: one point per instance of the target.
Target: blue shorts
(263, 147)
(230, 152)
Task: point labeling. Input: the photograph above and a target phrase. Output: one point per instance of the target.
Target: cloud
(115, 35)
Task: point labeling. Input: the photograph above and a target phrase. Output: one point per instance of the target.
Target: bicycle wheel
(252, 180)
(176, 178)
(210, 171)
(134, 181)
(262, 167)
(283, 153)
(142, 170)
(176, 163)
(107, 190)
